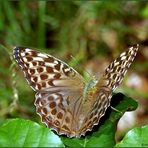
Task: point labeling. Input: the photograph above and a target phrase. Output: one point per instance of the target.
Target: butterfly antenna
(116, 110)
(86, 71)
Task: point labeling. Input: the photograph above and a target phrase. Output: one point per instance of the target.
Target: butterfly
(65, 101)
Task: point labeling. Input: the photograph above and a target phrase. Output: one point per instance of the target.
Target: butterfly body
(64, 100)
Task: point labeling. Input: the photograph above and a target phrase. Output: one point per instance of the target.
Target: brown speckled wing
(60, 110)
(59, 88)
(44, 71)
(115, 72)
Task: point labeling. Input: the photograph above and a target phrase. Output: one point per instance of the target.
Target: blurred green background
(93, 32)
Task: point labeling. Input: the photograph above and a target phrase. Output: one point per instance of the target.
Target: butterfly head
(90, 87)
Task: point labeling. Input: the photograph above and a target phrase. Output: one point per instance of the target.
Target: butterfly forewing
(60, 98)
(115, 72)
(43, 71)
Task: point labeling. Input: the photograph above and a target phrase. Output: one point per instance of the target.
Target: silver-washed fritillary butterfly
(64, 100)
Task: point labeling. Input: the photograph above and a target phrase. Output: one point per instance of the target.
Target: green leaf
(25, 133)
(144, 11)
(137, 137)
(103, 135)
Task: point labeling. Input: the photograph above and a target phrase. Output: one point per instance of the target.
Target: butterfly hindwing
(58, 110)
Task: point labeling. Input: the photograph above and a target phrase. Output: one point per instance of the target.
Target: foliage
(25, 133)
